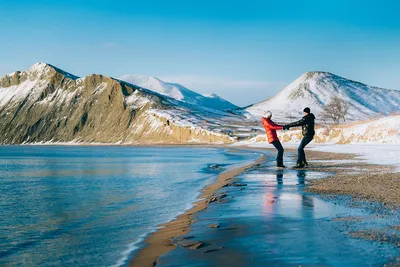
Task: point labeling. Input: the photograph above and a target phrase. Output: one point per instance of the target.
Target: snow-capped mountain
(47, 104)
(178, 92)
(316, 89)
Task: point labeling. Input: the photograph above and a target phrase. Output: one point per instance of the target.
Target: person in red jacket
(270, 129)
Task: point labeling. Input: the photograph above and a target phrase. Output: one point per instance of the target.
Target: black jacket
(307, 123)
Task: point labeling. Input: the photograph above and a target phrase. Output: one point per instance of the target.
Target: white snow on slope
(135, 101)
(16, 93)
(33, 86)
(383, 130)
(41, 69)
(178, 92)
(316, 89)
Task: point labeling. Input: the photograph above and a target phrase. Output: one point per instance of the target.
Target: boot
(299, 165)
(279, 164)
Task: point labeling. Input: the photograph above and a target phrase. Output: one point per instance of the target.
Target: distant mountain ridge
(178, 92)
(316, 89)
(45, 104)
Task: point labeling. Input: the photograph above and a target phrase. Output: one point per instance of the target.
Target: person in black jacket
(307, 123)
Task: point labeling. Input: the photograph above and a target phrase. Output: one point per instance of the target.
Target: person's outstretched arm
(271, 125)
(301, 122)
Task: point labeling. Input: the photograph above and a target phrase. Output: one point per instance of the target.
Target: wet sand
(160, 242)
(355, 178)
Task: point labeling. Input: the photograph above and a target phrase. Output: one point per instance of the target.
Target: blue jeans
(301, 156)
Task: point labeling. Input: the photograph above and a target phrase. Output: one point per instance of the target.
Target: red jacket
(270, 129)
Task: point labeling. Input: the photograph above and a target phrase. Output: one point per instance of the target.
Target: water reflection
(301, 176)
(283, 197)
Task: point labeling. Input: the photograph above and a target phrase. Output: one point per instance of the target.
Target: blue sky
(244, 51)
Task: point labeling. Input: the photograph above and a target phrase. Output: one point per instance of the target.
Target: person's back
(308, 127)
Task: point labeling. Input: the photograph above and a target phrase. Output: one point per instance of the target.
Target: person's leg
(300, 151)
(301, 156)
(307, 140)
(276, 145)
(279, 157)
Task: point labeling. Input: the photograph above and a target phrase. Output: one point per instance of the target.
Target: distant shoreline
(66, 144)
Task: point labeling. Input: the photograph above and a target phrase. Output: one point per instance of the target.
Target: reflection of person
(307, 123)
(307, 201)
(270, 129)
(279, 178)
(301, 176)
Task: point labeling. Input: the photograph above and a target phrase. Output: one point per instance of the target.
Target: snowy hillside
(378, 131)
(316, 89)
(178, 92)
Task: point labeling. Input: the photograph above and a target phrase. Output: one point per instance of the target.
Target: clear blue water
(81, 206)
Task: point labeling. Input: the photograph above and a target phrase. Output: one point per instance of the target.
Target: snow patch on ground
(381, 154)
(373, 153)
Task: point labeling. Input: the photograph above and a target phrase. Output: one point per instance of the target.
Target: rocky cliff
(46, 104)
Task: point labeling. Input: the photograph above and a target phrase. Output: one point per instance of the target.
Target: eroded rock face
(46, 104)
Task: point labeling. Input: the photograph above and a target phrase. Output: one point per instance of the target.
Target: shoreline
(347, 174)
(159, 242)
(263, 223)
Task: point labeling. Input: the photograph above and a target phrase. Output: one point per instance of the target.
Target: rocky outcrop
(46, 104)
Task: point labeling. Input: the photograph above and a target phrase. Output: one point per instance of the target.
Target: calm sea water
(81, 206)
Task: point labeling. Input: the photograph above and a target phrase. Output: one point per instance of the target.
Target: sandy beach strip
(159, 242)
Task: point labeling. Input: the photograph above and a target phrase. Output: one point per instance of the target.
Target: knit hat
(307, 110)
(267, 114)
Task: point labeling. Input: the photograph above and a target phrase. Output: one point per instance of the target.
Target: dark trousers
(279, 147)
(301, 156)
